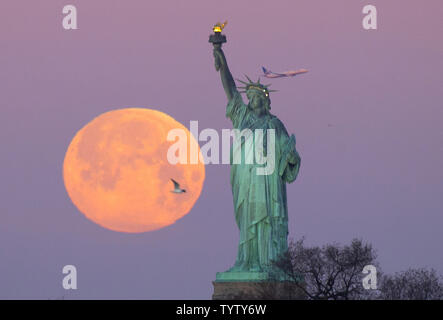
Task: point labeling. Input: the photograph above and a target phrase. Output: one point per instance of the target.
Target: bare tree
(412, 284)
(334, 272)
(331, 272)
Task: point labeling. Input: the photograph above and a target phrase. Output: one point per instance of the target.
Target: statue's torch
(217, 39)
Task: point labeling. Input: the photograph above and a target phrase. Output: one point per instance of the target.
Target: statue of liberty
(260, 200)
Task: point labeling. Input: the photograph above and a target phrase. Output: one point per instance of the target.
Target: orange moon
(117, 174)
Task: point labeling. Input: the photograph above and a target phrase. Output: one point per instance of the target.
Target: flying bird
(177, 188)
(292, 73)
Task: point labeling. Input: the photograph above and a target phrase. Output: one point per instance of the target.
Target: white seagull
(177, 188)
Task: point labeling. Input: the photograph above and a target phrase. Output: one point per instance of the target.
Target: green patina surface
(260, 201)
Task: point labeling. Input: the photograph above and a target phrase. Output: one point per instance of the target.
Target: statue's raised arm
(226, 76)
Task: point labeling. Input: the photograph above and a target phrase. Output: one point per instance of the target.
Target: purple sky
(368, 119)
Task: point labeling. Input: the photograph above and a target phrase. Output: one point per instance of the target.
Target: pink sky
(368, 119)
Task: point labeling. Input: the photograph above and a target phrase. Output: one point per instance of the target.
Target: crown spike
(242, 81)
(248, 79)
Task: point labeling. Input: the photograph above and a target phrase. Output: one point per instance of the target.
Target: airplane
(292, 73)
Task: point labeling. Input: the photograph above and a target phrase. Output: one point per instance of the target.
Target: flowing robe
(260, 201)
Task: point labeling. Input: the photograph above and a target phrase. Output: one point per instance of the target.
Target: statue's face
(256, 99)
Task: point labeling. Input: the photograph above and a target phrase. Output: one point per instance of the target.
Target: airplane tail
(265, 71)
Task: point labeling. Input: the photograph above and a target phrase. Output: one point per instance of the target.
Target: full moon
(117, 174)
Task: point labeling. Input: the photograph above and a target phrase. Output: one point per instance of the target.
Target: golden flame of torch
(219, 26)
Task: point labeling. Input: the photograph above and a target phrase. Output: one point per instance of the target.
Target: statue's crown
(251, 85)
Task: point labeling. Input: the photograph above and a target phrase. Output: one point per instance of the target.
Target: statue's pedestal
(256, 290)
(253, 286)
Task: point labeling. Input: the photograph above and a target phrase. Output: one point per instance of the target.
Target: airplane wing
(272, 74)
